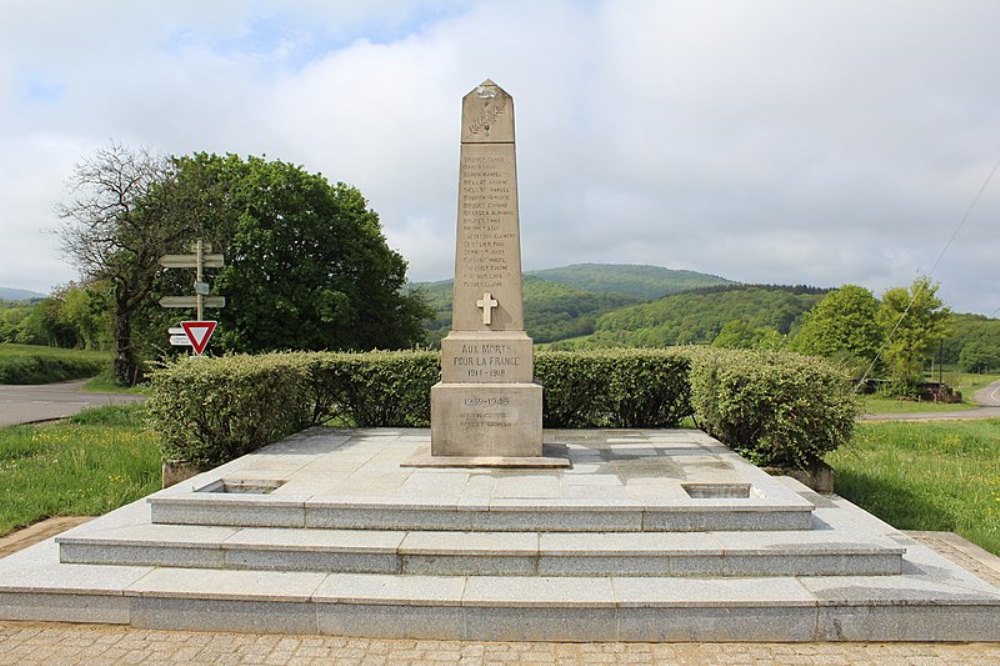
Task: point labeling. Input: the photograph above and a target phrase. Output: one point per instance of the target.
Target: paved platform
(650, 536)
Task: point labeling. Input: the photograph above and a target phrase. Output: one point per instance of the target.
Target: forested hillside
(973, 343)
(643, 282)
(697, 316)
(565, 302)
(551, 311)
(603, 305)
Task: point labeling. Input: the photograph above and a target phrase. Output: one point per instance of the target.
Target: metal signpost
(194, 334)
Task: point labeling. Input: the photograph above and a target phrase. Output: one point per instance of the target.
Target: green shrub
(615, 388)
(775, 408)
(29, 364)
(373, 388)
(571, 381)
(212, 410)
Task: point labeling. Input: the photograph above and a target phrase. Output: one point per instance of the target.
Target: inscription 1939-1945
(490, 411)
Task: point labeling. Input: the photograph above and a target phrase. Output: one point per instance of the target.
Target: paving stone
(197, 584)
(521, 592)
(387, 590)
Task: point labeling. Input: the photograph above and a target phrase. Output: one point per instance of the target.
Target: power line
(968, 213)
(920, 285)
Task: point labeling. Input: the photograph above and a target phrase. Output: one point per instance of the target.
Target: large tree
(739, 334)
(914, 321)
(307, 265)
(117, 225)
(842, 325)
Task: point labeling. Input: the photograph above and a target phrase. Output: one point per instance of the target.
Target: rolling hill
(587, 305)
(552, 311)
(12, 294)
(566, 302)
(642, 282)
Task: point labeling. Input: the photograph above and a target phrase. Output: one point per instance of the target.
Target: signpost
(178, 338)
(192, 301)
(194, 334)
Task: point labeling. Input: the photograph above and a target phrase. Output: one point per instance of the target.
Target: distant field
(967, 383)
(874, 404)
(30, 364)
(926, 476)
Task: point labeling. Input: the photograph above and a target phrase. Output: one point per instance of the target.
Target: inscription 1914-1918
(492, 361)
(487, 209)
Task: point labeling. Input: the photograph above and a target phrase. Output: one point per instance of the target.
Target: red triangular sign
(199, 333)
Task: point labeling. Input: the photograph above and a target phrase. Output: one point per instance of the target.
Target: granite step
(930, 600)
(816, 553)
(787, 512)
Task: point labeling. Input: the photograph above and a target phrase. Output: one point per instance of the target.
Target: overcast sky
(778, 142)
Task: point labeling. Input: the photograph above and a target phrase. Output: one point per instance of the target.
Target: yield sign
(199, 333)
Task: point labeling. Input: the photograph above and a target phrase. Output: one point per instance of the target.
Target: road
(988, 398)
(46, 402)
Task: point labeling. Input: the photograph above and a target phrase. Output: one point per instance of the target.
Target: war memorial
(487, 527)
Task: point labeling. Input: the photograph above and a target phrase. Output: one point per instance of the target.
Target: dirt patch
(965, 554)
(40, 531)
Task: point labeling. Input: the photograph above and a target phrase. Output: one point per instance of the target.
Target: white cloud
(823, 142)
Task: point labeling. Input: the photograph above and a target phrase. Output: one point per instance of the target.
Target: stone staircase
(649, 536)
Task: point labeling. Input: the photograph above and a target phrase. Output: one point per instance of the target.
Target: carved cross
(487, 303)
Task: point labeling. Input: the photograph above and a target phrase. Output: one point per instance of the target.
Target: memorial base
(486, 420)
(554, 456)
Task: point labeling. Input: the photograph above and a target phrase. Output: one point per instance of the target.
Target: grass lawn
(876, 404)
(32, 364)
(84, 466)
(926, 476)
(968, 383)
(104, 383)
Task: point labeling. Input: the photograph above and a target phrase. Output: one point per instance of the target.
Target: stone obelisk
(487, 403)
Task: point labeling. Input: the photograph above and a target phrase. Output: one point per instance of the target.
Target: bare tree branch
(116, 225)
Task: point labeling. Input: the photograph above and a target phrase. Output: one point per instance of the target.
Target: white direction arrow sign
(178, 338)
(199, 333)
(192, 301)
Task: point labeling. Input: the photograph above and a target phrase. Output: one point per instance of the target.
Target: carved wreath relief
(494, 104)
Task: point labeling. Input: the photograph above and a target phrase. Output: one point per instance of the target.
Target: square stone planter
(819, 477)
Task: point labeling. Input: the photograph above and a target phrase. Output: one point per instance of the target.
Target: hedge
(372, 389)
(29, 364)
(615, 388)
(212, 410)
(778, 409)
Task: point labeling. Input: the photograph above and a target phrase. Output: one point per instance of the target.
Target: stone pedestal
(489, 420)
